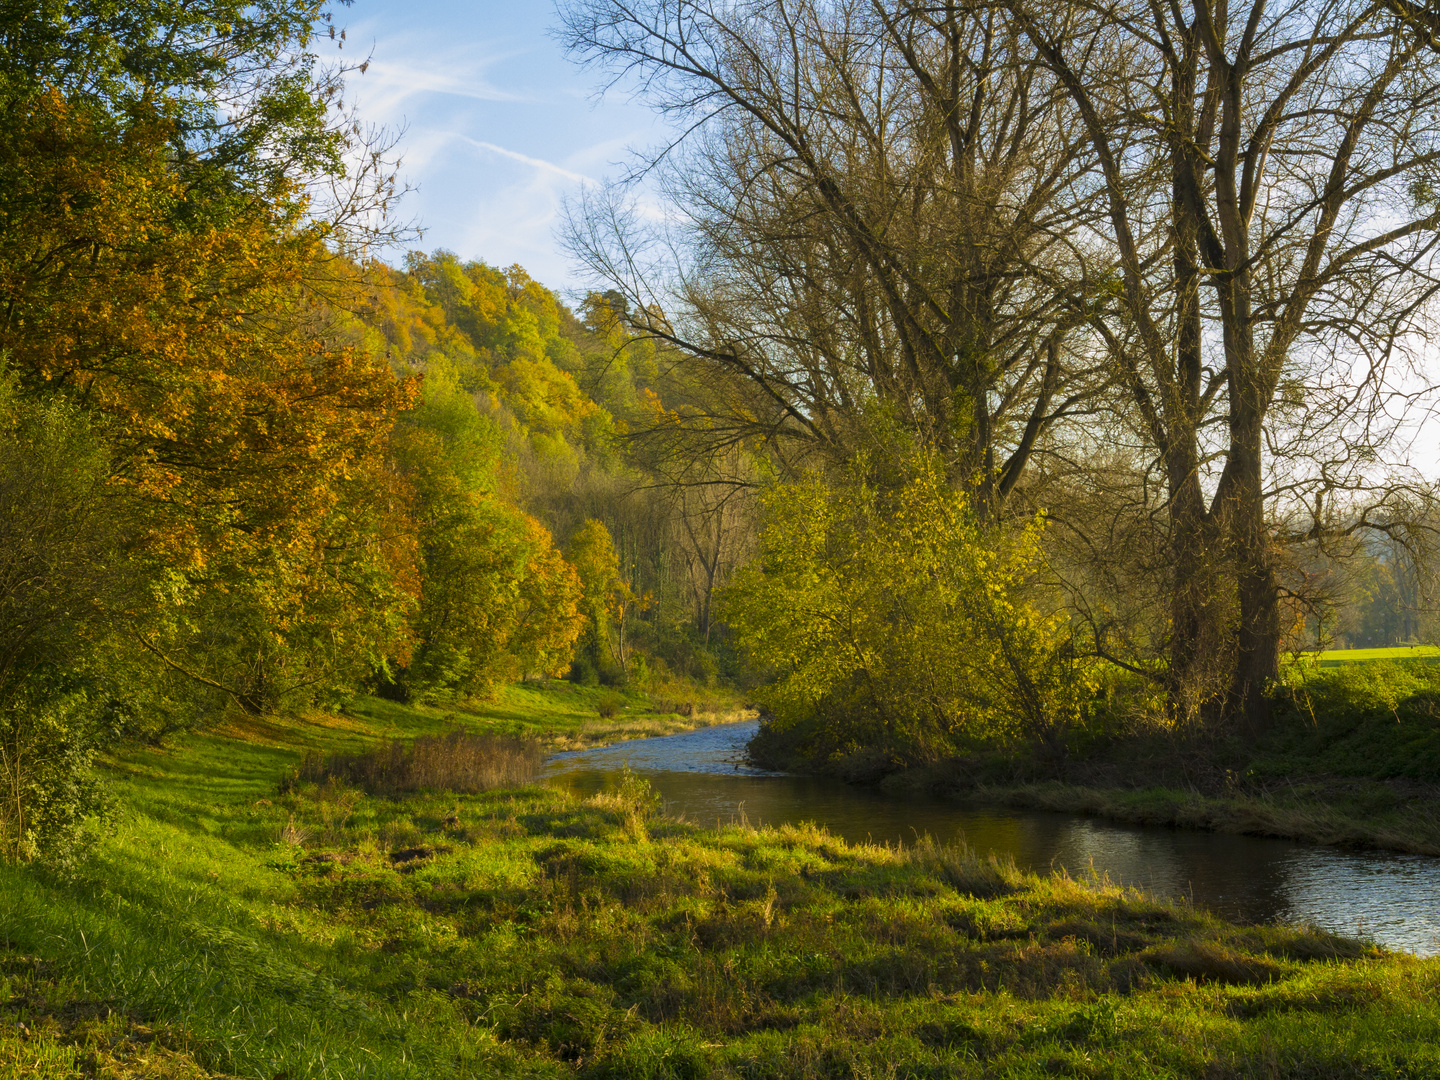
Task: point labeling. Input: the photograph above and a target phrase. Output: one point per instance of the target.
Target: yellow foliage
(891, 620)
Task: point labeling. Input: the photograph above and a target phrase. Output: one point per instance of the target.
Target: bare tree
(873, 206)
(1269, 174)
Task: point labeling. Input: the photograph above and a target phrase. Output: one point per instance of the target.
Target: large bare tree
(870, 214)
(1211, 228)
(1270, 179)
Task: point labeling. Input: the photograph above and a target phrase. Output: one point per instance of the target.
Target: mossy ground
(222, 927)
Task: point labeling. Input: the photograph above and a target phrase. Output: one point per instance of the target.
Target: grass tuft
(457, 761)
(1208, 962)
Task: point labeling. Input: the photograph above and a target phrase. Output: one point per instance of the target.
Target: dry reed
(458, 761)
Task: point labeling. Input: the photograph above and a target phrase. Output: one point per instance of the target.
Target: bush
(459, 761)
(896, 626)
(48, 785)
(584, 673)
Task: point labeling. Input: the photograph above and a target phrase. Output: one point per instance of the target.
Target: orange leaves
(252, 445)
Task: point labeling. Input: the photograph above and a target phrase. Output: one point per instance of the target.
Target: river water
(702, 775)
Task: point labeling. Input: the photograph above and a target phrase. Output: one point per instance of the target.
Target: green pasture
(1336, 657)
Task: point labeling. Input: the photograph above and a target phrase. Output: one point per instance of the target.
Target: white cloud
(387, 83)
(407, 65)
(536, 163)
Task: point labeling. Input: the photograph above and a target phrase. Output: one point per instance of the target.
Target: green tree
(497, 602)
(895, 627)
(607, 600)
(61, 568)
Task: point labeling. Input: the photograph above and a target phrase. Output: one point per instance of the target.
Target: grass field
(1429, 654)
(225, 927)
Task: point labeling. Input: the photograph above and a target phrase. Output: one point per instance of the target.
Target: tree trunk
(1258, 638)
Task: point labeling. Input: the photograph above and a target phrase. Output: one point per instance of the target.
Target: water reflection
(703, 777)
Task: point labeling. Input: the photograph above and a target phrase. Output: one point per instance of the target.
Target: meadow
(235, 919)
(1335, 657)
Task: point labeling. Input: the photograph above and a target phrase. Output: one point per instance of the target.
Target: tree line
(993, 375)
(247, 467)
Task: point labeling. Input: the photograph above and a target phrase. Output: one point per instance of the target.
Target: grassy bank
(231, 924)
(1361, 814)
(560, 715)
(1351, 757)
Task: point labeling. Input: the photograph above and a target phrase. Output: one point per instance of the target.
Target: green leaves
(497, 602)
(892, 622)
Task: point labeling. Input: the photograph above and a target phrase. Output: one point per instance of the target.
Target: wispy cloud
(395, 80)
(496, 131)
(412, 64)
(525, 159)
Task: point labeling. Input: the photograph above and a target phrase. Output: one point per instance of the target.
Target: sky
(499, 126)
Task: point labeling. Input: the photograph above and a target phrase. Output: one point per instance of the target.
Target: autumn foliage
(247, 449)
(219, 494)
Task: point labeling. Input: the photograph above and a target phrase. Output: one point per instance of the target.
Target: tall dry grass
(459, 761)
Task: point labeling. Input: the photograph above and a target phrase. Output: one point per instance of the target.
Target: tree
(897, 626)
(1269, 178)
(607, 598)
(165, 248)
(249, 107)
(878, 204)
(248, 449)
(497, 602)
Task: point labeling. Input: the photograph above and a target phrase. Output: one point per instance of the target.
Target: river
(702, 775)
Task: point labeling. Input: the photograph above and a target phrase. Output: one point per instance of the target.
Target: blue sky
(500, 127)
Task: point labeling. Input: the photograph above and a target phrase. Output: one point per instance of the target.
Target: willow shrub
(893, 627)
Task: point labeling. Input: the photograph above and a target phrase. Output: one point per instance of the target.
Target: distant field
(1335, 657)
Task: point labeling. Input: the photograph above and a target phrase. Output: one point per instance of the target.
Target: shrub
(897, 626)
(458, 761)
(48, 786)
(584, 673)
(609, 705)
(639, 674)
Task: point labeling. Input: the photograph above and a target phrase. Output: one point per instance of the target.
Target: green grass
(561, 714)
(525, 933)
(1351, 757)
(1335, 657)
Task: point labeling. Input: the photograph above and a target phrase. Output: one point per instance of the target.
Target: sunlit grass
(562, 715)
(1336, 657)
(229, 927)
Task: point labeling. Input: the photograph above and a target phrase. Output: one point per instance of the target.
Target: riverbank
(1393, 814)
(1352, 758)
(557, 714)
(1347, 813)
(228, 923)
